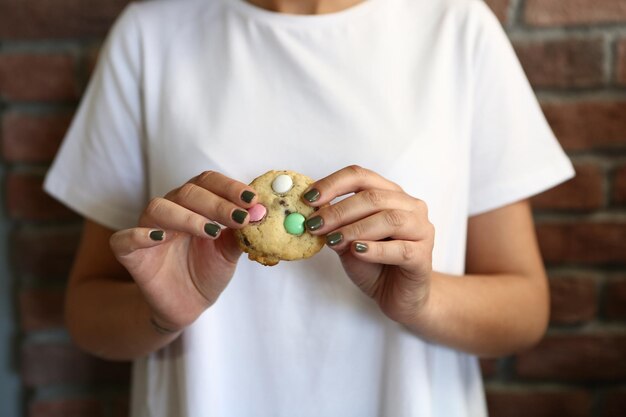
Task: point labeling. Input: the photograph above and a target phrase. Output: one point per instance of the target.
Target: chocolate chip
(287, 212)
(247, 242)
(283, 203)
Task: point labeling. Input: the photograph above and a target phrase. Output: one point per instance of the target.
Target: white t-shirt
(426, 92)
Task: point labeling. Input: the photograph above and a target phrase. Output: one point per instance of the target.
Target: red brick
(562, 63)
(121, 406)
(583, 192)
(507, 402)
(91, 58)
(586, 125)
(620, 70)
(33, 138)
(59, 19)
(71, 407)
(46, 364)
(38, 77)
(614, 403)
(44, 253)
(574, 12)
(598, 357)
(583, 242)
(572, 299)
(488, 367)
(500, 8)
(41, 309)
(26, 200)
(619, 186)
(615, 302)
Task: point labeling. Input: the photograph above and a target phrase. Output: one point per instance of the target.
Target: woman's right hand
(179, 256)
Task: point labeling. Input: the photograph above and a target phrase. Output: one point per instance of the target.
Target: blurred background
(574, 53)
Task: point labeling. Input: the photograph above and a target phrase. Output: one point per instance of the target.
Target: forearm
(110, 319)
(487, 315)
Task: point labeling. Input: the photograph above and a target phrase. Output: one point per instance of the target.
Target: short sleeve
(514, 153)
(99, 169)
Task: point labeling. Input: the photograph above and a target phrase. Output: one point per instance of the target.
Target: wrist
(163, 329)
(424, 313)
(156, 324)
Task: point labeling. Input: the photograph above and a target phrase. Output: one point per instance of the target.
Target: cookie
(276, 230)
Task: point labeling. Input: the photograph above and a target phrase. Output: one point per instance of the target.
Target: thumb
(127, 241)
(231, 251)
(363, 274)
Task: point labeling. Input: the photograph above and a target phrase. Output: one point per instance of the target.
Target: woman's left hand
(382, 236)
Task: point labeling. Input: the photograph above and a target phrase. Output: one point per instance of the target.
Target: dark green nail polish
(334, 238)
(312, 195)
(360, 247)
(247, 196)
(212, 229)
(157, 235)
(314, 223)
(239, 216)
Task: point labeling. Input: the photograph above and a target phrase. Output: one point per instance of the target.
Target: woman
(417, 120)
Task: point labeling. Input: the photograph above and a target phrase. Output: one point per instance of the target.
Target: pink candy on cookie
(257, 213)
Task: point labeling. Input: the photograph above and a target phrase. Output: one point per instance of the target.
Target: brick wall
(47, 50)
(574, 53)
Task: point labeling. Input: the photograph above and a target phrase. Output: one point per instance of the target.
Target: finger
(227, 188)
(361, 205)
(415, 257)
(208, 204)
(394, 224)
(128, 241)
(351, 179)
(167, 215)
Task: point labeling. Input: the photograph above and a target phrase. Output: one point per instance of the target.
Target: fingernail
(360, 247)
(334, 238)
(314, 223)
(157, 235)
(312, 195)
(239, 216)
(247, 196)
(212, 229)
